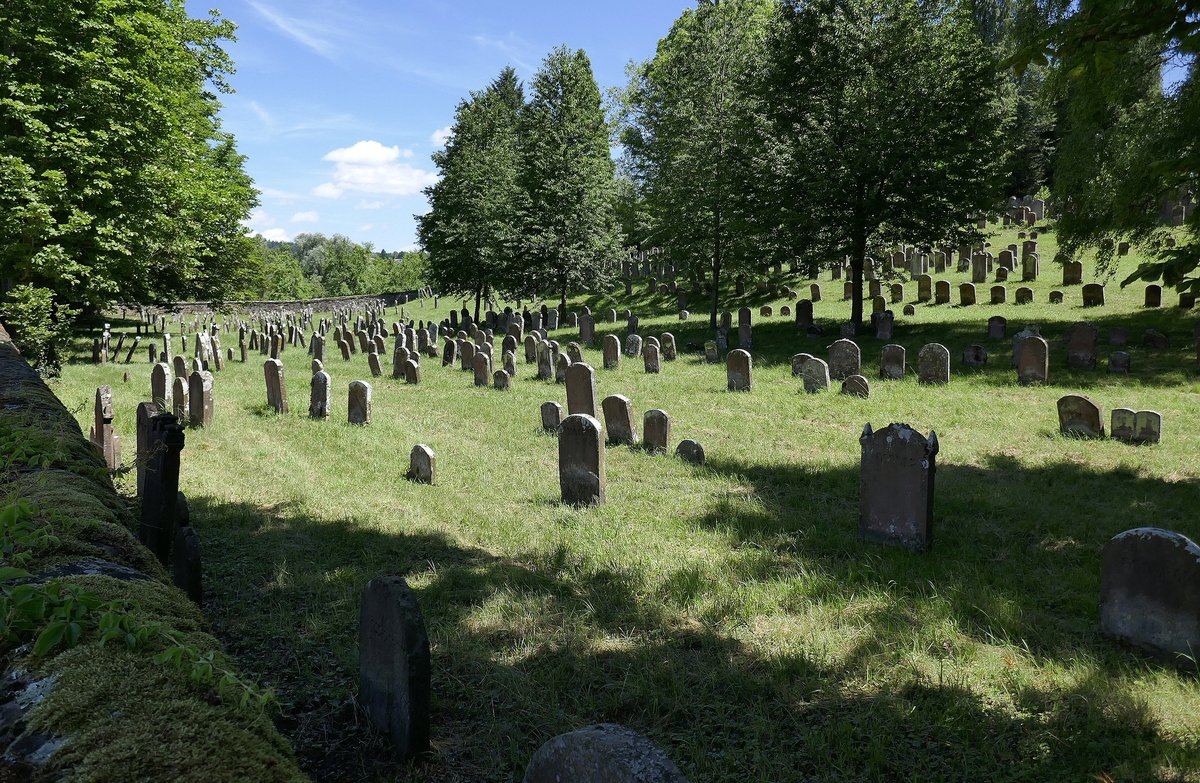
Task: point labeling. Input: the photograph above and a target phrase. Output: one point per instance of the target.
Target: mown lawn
(729, 612)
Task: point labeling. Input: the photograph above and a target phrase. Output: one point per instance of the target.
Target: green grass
(729, 612)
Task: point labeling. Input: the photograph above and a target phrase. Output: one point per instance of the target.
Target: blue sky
(339, 103)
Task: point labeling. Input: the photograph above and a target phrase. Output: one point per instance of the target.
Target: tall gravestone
(618, 420)
(845, 359)
(656, 430)
(1033, 360)
(933, 365)
(394, 665)
(581, 461)
(581, 390)
(102, 435)
(200, 399)
(891, 363)
(156, 528)
(276, 388)
(738, 370)
(896, 480)
(319, 400)
(358, 408)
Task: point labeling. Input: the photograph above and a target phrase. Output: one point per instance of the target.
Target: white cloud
(276, 235)
(440, 136)
(366, 227)
(296, 29)
(311, 216)
(370, 167)
(514, 48)
(364, 204)
(261, 113)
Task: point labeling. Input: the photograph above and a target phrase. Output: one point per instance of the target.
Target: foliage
(314, 265)
(851, 88)
(570, 237)
(698, 143)
(116, 180)
(40, 328)
(471, 230)
(58, 615)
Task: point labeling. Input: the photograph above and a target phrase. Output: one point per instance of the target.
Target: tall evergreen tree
(571, 239)
(889, 108)
(698, 142)
(472, 227)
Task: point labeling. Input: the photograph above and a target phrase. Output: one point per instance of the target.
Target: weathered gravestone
(561, 365)
(618, 420)
(997, 327)
(374, 366)
(975, 356)
(656, 430)
(358, 409)
(1118, 362)
(845, 359)
(999, 294)
(856, 386)
(669, 351)
(394, 665)
(581, 460)
(581, 390)
(276, 388)
(966, 294)
(200, 399)
(412, 372)
(816, 375)
(612, 351)
(156, 528)
(102, 435)
(896, 480)
(186, 567)
(1033, 360)
(1072, 273)
(738, 370)
(690, 451)
(933, 365)
(1153, 295)
(1150, 592)
(160, 386)
(551, 413)
(319, 399)
(1093, 295)
(1137, 427)
(422, 465)
(482, 366)
(1078, 415)
(1081, 346)
(711, 356)
(501, 380)
(941, 293)
(650, 359)
(605, 753)
(891, 363)
(924, 288)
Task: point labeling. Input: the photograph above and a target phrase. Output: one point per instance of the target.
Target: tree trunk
(478, 298)
(857, 261)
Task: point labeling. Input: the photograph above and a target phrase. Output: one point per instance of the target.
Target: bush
(40, 327)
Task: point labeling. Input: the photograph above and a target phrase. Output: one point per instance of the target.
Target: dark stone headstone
(896, 486)
(606, 753)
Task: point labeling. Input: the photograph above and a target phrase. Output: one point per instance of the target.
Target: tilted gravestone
(358, 408)
(394, 665)
(933, 365)
(816, 375)
(738, 370)
(618, 420)
(1078, 415)
(551, 413)
(605, 753)
(798, 363)
(1150, 592)
(412, 372)
(690, 451)
(422, 465)
(656, 430)
(891, 362)
(581, 461)
(896, 480)
(856, 386)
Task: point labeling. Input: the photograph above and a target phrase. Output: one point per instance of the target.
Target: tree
(1129, 148)
(116, 180)
(698, 142)
(895, 132)
(471, 229)
(569, 228)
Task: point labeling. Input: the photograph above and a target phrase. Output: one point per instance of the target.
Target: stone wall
(93, 711)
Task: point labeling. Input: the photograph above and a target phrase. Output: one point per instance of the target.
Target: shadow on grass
(529, 646)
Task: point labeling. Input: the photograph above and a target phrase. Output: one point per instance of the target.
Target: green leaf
(49, 638)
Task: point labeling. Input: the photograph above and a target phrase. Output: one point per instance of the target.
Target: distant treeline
(314, 265)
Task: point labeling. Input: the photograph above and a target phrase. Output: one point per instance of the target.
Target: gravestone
(999, 294)
(581, 390)
(618, 420)
(412, 372)
(798, 363)
(605, 753)
(924, 288)
(1153, 295)
(1150, 592)
(1033, 360)
(160, 386)
(1078, 415)
(633, 345)
(422, 465)
(975, 356)
(481, 365)
(1118, 362)
(319, 399)
(896, 481)
(656, 431)
(856, 386)
(374, 366)
(186, 567)
(669, 351)
(179, 399)
(156, 527)
(933, 365)
(1056, 297)
(966, 294)
(200, 399)
(501, 380)
(997, 327)
(845, 359)
(560, 368)
(650, 359)
(394, 669)
(690, 451)
(358, 409)
(738, 370)
(816, 375)
(612, 351)
(1093, 295)
(884, 324)
(1081, 346)
(276, 388)
(891, 362)
(941, 292)
(1072, 273)
(1138, 427)
(581, 460)
(551, 413)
